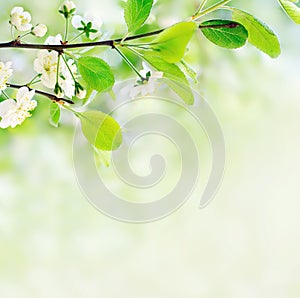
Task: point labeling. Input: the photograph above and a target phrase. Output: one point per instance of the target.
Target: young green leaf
(101, 130)
(291, 9)
(171, 44)
(136, 13)
(177, 80)
(96, 73)
(225, 33)
(54, 115)
(260, 35)
(189, 71)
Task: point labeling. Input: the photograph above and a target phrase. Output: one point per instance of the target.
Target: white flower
(147, 87)
(54, 39)
(39, 30)
(46, 65)
(66, 80)
(5, 73)
(96, 24)
(20, 19)
(13, 112)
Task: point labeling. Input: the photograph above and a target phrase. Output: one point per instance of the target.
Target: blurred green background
(246, 243)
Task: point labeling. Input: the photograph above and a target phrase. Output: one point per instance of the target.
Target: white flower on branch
(5, 73)
(147, 86)
(20, 19)
(46, 65)
(89, 24)
(39, 30)
(14, 112)
(54, 39)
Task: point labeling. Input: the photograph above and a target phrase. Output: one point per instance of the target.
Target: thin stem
(109, 43)
(77, 36)
(68, 66)
(57, 69)
(135, 46)
(73, 111)
(130, 64)
(67, 29)
(32, 81)
(12, 32)
(211, 9)
(48, 95)
(5, 94)
(201, 6)
(25, 34)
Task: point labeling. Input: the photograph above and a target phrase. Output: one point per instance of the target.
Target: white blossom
(54, 39)
(14, 112)
(46, 65)
(20, 19)
(146, 87)
(39, 30)
(88, 18)
(5, 73)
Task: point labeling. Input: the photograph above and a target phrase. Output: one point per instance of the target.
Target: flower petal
(76, 21)
(6, 106)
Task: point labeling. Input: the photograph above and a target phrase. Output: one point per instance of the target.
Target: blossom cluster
(21, 19)
(58, 73)
(13, 112)
(54, 69)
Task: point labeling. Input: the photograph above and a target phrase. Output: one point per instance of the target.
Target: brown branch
(50, 96)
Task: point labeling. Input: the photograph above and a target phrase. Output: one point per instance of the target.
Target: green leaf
(225, 33)
(101, 130)
(54, 115)
(136, 13)
(172, 42)
(189, 71)
(177, 80)
(260, 35)
(96, 73)
(291, 9)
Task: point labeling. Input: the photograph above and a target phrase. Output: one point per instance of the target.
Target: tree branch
(50, 96)
(61, 47)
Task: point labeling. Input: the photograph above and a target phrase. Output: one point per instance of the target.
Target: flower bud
(81, 94)
(68, 9)
(39, 30)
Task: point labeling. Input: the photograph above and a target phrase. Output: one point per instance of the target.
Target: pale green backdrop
(246, 243)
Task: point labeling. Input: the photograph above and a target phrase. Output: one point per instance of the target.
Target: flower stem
(66, 30)
(5, 94)
(57, 69)
(77, 36)
(130, 64)
(211, 9)
(33, 80)
(68, 66)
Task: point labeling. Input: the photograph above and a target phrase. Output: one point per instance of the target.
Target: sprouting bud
(80, 92)
(39, 30)
(58, 91)
(68, 9)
